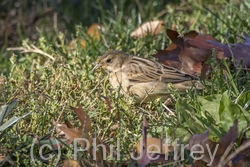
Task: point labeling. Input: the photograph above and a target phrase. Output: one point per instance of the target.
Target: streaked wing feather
(145, 70)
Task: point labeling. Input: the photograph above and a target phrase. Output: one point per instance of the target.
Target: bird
(145, 79)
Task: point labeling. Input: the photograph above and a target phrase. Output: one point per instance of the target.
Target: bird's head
(111, 61)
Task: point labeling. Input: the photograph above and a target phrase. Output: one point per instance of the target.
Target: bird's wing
(144, 70)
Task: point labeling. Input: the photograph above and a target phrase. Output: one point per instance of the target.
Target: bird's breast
(119, 80)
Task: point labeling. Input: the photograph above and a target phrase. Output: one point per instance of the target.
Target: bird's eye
(109, 61)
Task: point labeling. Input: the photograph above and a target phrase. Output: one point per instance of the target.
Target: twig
(236, 100)
(172, 113)
(32, 49)
(222, 159)
(237, 151)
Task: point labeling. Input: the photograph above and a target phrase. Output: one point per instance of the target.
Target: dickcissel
(145, 79)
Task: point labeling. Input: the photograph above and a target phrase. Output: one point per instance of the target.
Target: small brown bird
(143, 78)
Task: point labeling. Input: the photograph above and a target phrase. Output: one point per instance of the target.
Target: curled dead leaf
(150, 27)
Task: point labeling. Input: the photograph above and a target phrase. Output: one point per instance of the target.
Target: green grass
(48, 88)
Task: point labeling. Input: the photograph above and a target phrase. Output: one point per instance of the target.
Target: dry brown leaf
(94, 31)
(2, 157)
(190, 52)
(6, 158)
(69, 133)
(240, 157)
(155, 145)
(84, 131)
(70, 163)
(187, 53)
(84, 119)
(220, 150)
(145, 157)
(239, 51)
(150, 27)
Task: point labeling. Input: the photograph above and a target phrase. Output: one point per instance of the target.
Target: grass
(48, 88)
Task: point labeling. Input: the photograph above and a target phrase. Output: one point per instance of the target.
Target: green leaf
(5, 110)
(220, 113)
(214, 134)
(187, 117)
(183, 134)
(229, 111)
(12, 121)
(245, 113)
(183, 110)
(211, 104)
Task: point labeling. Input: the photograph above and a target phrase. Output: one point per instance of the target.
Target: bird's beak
(96, 66)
